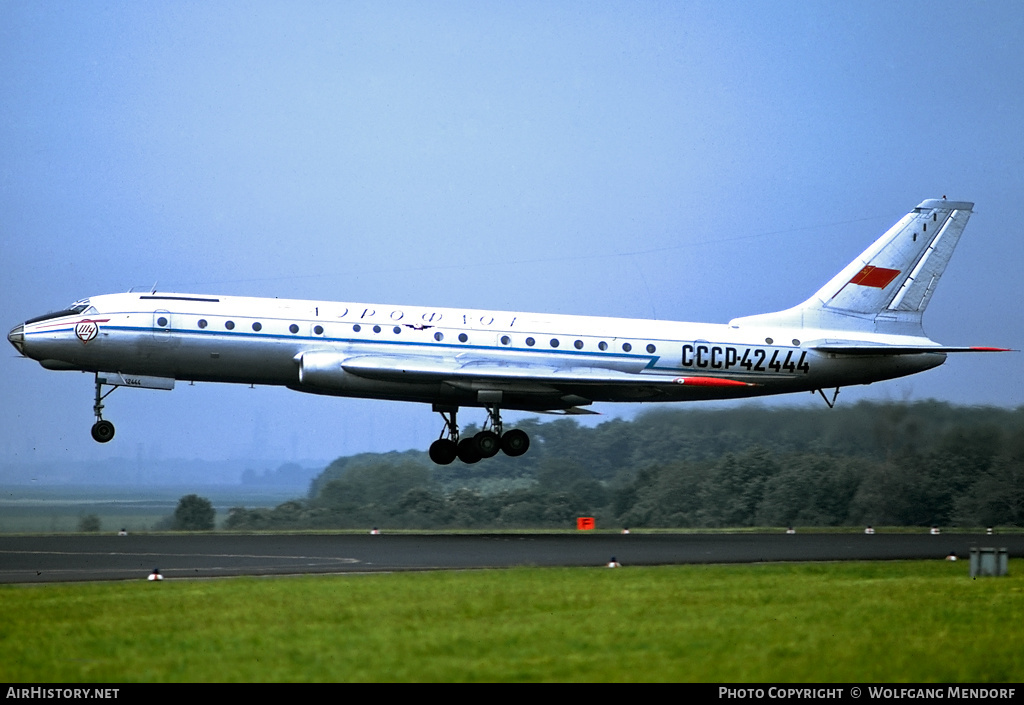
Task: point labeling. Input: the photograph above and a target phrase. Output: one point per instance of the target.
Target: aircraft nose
(17, 338)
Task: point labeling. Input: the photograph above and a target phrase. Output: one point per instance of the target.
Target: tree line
(920, 464)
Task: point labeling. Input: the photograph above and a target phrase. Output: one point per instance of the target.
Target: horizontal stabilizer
(865, 349)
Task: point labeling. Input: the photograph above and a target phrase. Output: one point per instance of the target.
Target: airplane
(863, 326)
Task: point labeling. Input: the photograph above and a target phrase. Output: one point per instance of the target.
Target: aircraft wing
(413, 368)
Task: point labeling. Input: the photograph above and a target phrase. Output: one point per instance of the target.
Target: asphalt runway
(28, 559)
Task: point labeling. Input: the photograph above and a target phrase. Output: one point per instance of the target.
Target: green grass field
(57, 509)
(842, 622)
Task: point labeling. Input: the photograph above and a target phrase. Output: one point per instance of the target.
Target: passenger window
(439, 336)
(257, 326)
(293, 328)
(319, 330)
(202, 323)
(651, 349)
(530, 342)
(578, 344)
(230, 325)
(463, 337)
(626, 347)
(602, 345)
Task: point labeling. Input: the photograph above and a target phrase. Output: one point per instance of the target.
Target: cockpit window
(76, 309)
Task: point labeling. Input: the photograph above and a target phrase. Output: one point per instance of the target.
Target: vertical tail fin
(887, 288)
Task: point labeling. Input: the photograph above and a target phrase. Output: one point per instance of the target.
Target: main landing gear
(102, 431)
(484, 444)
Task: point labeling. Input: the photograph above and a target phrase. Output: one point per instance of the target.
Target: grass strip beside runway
(846, 622)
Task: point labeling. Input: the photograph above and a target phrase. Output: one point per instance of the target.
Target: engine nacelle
(323, 370)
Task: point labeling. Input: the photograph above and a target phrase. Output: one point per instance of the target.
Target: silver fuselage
(448, 356)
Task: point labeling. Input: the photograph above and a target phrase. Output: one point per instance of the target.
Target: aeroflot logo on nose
(87, 330)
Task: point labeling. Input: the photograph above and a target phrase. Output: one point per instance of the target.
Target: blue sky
(677, 160)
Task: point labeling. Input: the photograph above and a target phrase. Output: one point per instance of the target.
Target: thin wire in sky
(632, 254)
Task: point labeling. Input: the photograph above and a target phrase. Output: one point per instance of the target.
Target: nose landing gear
(102, 431)
(484, 444)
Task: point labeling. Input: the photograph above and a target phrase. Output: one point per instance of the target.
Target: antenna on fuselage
(150, 289)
